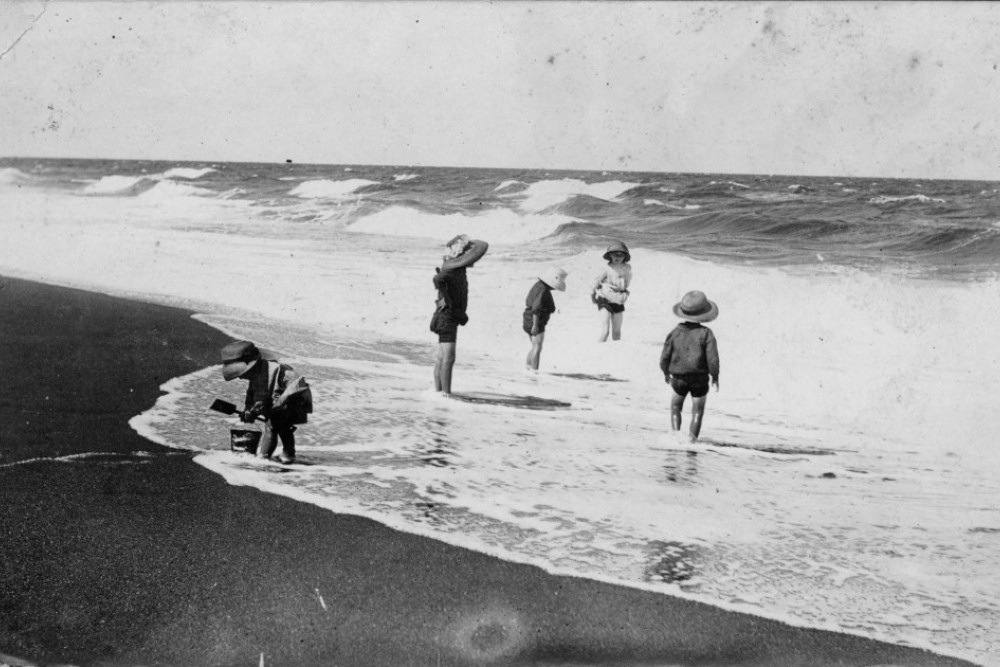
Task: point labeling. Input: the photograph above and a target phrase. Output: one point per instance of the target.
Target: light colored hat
(555, 278)
(617, 246)
(239, 357)
(456, 246)
(695, 307)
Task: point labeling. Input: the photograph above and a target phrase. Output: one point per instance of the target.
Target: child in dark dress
(690, 358)
(452, 287)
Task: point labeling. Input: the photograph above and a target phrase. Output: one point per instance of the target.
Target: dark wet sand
(138, 556)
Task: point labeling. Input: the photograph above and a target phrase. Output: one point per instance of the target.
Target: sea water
(847, 474)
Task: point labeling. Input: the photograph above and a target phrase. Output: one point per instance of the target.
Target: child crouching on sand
(689, 358)
(538, 307)
(275, 391)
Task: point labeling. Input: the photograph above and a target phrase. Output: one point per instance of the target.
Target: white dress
(612, 283)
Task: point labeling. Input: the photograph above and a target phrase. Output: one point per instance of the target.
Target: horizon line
(289, 162)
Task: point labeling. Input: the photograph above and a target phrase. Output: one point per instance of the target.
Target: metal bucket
(244, 440)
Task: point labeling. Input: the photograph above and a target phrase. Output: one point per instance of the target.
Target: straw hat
(695, 307)
(617, 246)
(554, 278)
(239, 357)
(456, 246)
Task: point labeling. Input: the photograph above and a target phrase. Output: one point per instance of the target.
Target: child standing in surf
(538, 307)
(690, 359)
(610, 290)
(452, 300)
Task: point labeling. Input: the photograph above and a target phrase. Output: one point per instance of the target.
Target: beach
(119, 551)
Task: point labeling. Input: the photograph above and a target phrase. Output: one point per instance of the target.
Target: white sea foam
(187, 172)
(734, 184)
(11, 175)
(505, 185)
(128, 185)
(324, 189)
(680, 207)
(169, 190)
(111, 185)
(405, 177)
(832, 487)
(501, 226)
(924, 199)
(544, 194)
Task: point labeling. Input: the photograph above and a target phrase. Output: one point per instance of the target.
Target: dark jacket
(276, 389)
(690, 349)
(538, 302)
(452, 284)
(453, 292)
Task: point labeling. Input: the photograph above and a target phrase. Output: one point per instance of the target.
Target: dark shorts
(445, 326)
(528, 319)
(695, 384)
(608, 306)
(448, 334)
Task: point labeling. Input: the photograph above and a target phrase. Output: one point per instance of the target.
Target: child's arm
(597, 281)
(474, 251)
(712, 354)
(533, 303)
(250, 412)
(665, 354)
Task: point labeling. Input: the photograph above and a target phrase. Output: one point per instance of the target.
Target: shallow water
(846, 477)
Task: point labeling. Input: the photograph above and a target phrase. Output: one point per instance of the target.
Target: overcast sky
(906, 89)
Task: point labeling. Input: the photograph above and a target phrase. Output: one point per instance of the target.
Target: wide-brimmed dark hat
(239, 357)
(695, 307)
(617, 246)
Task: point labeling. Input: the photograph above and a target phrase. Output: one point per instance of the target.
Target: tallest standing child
(452, 301)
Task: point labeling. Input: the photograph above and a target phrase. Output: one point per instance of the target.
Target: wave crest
(115, 185)
(501, 226)
(187, 172)
(546, 194)
(922, 199)
(324, 189)
(11, 175)
(172, 190)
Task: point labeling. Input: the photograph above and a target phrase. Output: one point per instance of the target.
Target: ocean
(847, 477)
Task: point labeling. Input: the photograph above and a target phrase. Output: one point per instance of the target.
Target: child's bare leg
(616, 326)
(443, 366)
(697, 412)
(535, 353)
(676, 406)
(605, 316)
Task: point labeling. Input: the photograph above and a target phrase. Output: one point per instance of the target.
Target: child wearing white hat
(538, 307)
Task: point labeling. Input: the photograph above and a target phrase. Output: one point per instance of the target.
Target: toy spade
(226, 408)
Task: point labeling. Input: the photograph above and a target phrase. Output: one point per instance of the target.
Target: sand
(118, 551)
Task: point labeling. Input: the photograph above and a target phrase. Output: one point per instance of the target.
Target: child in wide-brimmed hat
(452, 300)
(690, 359)
(538, 307)
(275, 391)
(610, 290)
